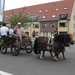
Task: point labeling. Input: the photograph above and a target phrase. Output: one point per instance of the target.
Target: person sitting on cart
(55, 32)
(13, 35)
(4, 30)
(19, 30)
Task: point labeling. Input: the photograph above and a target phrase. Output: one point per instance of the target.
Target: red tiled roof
(51, 7)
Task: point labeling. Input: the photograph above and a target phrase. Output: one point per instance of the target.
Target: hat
(19, 23)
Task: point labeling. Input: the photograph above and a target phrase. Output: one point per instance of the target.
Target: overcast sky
(11, 4)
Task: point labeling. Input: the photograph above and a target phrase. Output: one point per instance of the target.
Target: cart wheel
(3, 48)
(15, 50)
(28, 48)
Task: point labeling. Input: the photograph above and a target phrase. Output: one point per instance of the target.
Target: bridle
(66, 39)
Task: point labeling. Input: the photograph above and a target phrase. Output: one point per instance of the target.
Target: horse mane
(60, 37)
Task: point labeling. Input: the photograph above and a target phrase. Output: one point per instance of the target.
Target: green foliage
(1, 23)
(19, 17)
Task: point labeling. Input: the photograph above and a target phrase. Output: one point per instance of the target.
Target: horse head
(68, 40)
(71, 41)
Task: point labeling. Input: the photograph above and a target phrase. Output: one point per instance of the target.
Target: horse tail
(35, 46)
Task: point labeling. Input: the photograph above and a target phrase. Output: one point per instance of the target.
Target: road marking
(4, 73)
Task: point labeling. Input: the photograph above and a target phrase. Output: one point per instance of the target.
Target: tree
(19, 17)
(1, 23)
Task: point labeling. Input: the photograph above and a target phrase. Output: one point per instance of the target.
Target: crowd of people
(18, 32)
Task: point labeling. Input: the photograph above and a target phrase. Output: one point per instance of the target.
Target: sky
(12, 4)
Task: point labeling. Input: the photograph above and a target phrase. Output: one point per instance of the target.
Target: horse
(43, 44)
(60, 42)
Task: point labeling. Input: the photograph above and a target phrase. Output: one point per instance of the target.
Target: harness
(42, 46)
(59, 47)
(66, 39)
(42, 42)
(49, 40)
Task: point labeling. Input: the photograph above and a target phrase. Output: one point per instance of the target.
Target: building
(46, 17)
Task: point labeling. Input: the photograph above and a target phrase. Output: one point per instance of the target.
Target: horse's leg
(56, 55)
(64, 57)
(43, 53)
(51, 53)
(39, 54)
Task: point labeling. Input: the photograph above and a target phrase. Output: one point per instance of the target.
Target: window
(44, 17)
(46, 10)
(11, 15)
(6, 16)
(53, 16)
(35, 25)
(74, 34)
(56, 9)
(65, 8)
(35, 19)
(37, 33)
(74, 25)
(40, 11)
(63, 16)
(29, 12)
(30, 19)
(45, 34)
(73, 17)
(51, 24)
(44, 25)
(63, 24)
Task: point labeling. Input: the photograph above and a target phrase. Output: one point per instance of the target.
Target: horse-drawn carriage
(41, 44)
(60, 42)
(9, 42)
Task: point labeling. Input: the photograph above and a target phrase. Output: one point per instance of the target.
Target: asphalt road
(29, 64)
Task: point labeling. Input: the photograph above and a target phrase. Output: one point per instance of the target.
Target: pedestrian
(33, 34)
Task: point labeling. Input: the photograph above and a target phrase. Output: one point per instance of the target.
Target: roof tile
(51, 7)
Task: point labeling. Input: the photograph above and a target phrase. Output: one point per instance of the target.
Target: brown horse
(60, 42)
(41, 44)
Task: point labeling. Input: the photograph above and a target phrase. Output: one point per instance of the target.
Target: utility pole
(2, 6)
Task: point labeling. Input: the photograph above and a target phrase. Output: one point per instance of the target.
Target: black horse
(60, 42)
